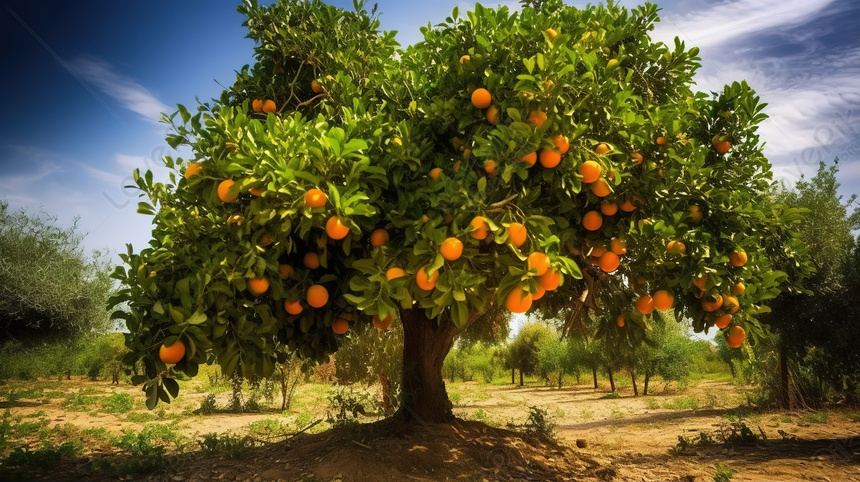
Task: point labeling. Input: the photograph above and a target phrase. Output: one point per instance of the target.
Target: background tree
(342, 179)
(525, 346)
(371, 355)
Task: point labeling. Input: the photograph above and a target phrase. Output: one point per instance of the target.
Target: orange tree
(539, 158)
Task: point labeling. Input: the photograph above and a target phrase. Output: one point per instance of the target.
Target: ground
(111, 436)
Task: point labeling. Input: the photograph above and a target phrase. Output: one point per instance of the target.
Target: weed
(559, 413)
(723, 473)
(652, 404)
(454, 397)
(40, 413)
(302, 420)
(99, 433)
(269, 426)
(139, 417)
(345, 406)
(781, 418)
(78, 402)
(23, 429)
(537, 423)
(682, 403)
(816, 417)
(611, 396)
(587, 414)
(617, 414)
(234, 446)
(207, 405)
(117, 403)
(479, 414)
(43, 457)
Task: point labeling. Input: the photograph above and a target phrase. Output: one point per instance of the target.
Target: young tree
(351, 179)
(524, 348)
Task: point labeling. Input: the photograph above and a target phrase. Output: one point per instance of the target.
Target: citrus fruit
(600, 188)
(592, 220)
(537, 117)
(316, 87)
(517, 233)
(480, 229)
(676, 247)
(518, 300)
(481, 98)
(590, 171)
(549, 280)
(731, 303)
(258, 285)
(173, 353)
(561, 143)
(736, 336)
(378, 237)
(530, 158)
(193, 169)
(619, 321)
(549, 158)
(712, 303)
(269, 106)
(382, 324)
(451, 249)
(436, 174)
(311, 260)
(335, 228)
(738, 259)
(663, 300)
(293, 307)
(492, 114)
(426, 283)
(539, 262)
(394, 273)
(315, 198)
(317, 296)
(738, 289)
(608, 208)
(602, 148)
(637, 158)
(340, 326)
(224, 191)
(257, 105)
(608, 261)
(618, 246)
(645, 304)
(723, 321)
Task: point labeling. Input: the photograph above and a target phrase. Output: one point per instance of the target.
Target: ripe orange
(257, 105)
(193, 169)
(286, 271)
(378, 237)
(551, 33)
(712, 303)
(173, 353)
(316, 87)
(722, 147)
(519, 300)
(608, 208)
(426, 283)
(637, 158)
(539, 293)
(592, 220)
(456, 166)
(490, 167)
(602, 148)
(695, 213)
(609, 261)
(436, 174)
(517, 233)
(269, 106)
(618, 246)
(258, 286)
(537, 117)
(731, 303)
(293, 307)
(738, 259)
(394, 273)
(676, 247)
(738, 289)
(255, 191)
(645, 304)
(311, 260)
(315, 198)
(335, 228)
(590, 171)
(538, 261)
(382, 324)
(549, 280)
(723, 321)
(480, 228)
(661, 141)
(224, 191)
(627, 206)
(619, 321)
(481, 98)
(549, 158)
(700, 282)
(736, 336)
(317, 296)
(451, 249)
(664, 300)
(529, 159)
(600, 188)
(561, 143)
(597, 250)
(265, 240)
(340, 326)
(492, 115)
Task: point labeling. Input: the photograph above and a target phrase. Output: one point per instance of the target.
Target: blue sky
(85, 83)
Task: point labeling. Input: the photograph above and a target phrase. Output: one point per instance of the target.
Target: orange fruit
(731, 303)
(269, 106)
(315, 198)
(481, 98)
(316, 87)
(378, 237)
(335, 228)
(530, 158)
(723, 321)
(537, 117)
(193, 169)
(645, 304)
(676, 247)
(426, 283)
(549, 158)
(382, 324)
(552, 34)
(317, 296)
(436, 174)
(637, 158)
(480, 228)
(451, 249)
(736, 336)
(255, 191)
(738, 259)
(258, 285)
(590, 171)
(286, 271)
(549, 280)
(265, 240)
(465, 58)
(490, 167)
(597, 250)
(700, 282)
(538, 261)
(224, 191)
(600, 188)
(618, 246)
(561, 143)
(738, 289)
(695, 213)
(592, 220)
(173, 353)
(661, 141)
(457, 166)
(517, 233)
(257, 105)
(712, 303)
(394, 273)
(608, 208)
(293, 307)
(492, 115)
(311, 260)
(340, 326)
(519, 300)
(539, 293)
(602, 148)
(608, 261)
(627, 206)
(722, 147)
(619, 321)
(664, 300)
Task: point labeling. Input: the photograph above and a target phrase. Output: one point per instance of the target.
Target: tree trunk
(611, 379)
(594, 375)
(521, 377)
(645, 388)
(425, 345)
(784, 396)
(386, 392)
(513, 380)
(732, 368)
(633, 381)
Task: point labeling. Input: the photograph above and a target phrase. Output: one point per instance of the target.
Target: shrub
(117, 403)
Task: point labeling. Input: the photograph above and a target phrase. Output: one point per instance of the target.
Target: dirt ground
(624, 438)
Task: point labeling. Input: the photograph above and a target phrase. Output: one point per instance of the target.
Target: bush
(118, 403)
(345, 405)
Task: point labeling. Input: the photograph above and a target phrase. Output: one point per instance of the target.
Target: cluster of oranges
(268, 105)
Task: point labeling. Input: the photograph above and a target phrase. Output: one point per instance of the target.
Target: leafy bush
(78, 402)
(723, 473)
(207, 405)
(537, 423)
(232, 445)
(268, 426)
(345, 405)
(43, 457)
(117, 403)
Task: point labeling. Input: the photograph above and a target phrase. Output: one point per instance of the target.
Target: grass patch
(616, 414)
(652, 404)
(78, 402)
(682, 403)
(140, 417)
(117, 403)
(587, 414)
(268, 427)
(454, 397)
(611, 396)
(816, 417)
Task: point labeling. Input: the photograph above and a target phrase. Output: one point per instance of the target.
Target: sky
(86, 83)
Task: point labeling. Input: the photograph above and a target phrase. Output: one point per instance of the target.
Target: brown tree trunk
(513, 380)
(594, 375)
(784, 396)
(732, 368)
(386, 393)
(645, 388)
(633, 381)
(611, 379)
(425, 344)
(521, 377)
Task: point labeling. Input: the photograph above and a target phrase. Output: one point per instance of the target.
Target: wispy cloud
(130, 94)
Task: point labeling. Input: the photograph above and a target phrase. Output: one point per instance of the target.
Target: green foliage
(610, 396)
(78, 402)
(523, 350)
(371, 356)
(268, 427)
(471, 361)
(537, 423)
(682, 403)
(117, 403)
(234, 446)
(345, 406)
(555, 360)
(815, 417)
(723, 472)
(42, 457)
(208, 405)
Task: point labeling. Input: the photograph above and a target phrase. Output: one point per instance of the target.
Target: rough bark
(386, 391)
(521, 377)
(611, 379)
(633, 381)
(513, 380)
(645, 388)
(594, 375)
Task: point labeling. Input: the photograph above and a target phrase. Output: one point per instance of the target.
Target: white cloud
(130, 94)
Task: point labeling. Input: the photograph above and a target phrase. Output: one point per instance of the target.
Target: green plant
(616, 414)
(43, 457)
(232, 445)
(117, 403)
(610, 396)
(345, 405)
(207, 405)
(302, 420)
(268, 427)
(682, 403)
(651, 403)
(587, 414)
(723, 473)
(479, 415)
(454, 397)
(537, 423)
(78, 402)
(140, 417)
(814, 417)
